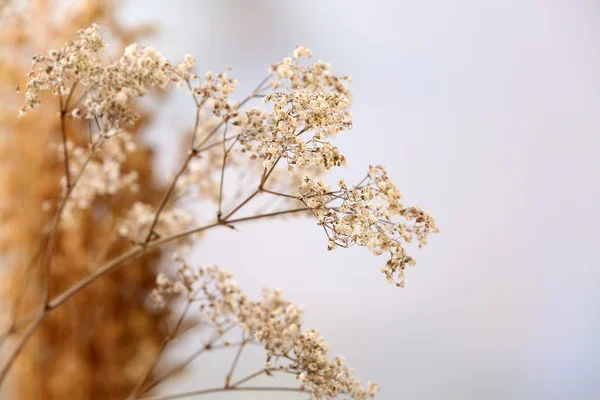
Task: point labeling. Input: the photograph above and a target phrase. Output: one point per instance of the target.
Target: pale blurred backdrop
(485, 113)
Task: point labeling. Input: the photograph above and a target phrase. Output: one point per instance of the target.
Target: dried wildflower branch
(206, 91)
(71, 336)
(309, 105)
(136, 251)
(273, 322)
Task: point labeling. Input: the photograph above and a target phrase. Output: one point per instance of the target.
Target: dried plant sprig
(109, 88)
(309, 106)
(272, 321)
(370, 214)
(71, 335)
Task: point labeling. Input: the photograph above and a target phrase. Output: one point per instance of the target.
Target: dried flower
(101, 342)
(308, 106)
(273, 321)
(371, 215)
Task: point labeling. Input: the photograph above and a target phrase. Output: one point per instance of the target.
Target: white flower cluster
(281, 133)
(111, 91)
(370, 214)
(277, 324)
(108, 88)
(55, 72)
(253, 126)
(317, 77)
(327, 379)
(312, 106)
(309, 106)
(139, 218)
(274, 322)
(211, 288)
(214, 92)
(101, 173)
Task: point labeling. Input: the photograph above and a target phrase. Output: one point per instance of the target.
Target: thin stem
(207, 347)
(259, 87)
(140, 384)
(230, 389)
(222, 182)
(193, 140)
(63, 111)
(24, 285)
(90, 137)
(289, 196)
(170, 336)
(191, 154)
(165, 198)
(66, 106)
(273, 214)
(210, 146)
(88, 90)
(26, 335)
(220, 124)
(195, 128)
(186, 329)
(63, 132)
(242, 204)
(268, 173)
(249, 377)
(235, 361)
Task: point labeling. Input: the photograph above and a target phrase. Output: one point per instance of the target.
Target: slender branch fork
(194, 150)
(171, 335)
(210, 345)
(34, 319)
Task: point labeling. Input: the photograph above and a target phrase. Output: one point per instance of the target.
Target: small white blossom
(189, 61)
(302, 51)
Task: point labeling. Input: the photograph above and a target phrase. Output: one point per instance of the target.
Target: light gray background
(486, 113)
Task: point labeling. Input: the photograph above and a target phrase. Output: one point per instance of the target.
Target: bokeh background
(486, 113)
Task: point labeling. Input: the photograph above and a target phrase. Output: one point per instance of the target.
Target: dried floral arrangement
(94, 171)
